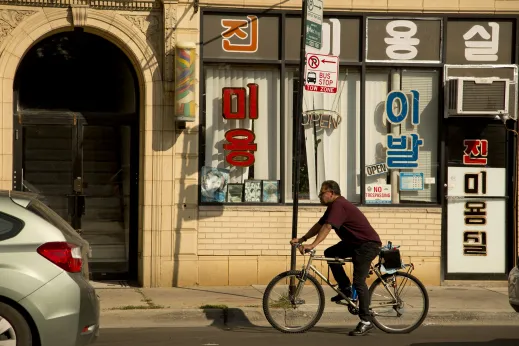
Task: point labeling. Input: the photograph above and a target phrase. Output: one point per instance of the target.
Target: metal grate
(453, 94)
(484, 97)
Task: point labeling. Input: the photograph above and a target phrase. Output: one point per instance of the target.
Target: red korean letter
(472, 155)
(228, 96)
(484, 147)
(241, 146)
(253, 100)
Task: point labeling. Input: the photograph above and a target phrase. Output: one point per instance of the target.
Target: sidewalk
(124, 306)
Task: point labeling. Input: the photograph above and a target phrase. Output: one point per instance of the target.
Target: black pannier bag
(390, 258)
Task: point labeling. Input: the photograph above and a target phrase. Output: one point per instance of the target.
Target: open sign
(376, 169)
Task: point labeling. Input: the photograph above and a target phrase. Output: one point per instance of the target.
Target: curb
(255, 317)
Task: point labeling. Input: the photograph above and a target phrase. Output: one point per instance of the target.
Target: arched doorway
(76, 141)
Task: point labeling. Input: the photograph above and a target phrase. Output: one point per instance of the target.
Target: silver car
(513, 286)
(45, 296)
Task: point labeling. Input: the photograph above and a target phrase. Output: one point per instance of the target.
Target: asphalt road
(256, 336)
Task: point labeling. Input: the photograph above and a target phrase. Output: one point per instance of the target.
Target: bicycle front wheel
(399, 303)
(296, 309)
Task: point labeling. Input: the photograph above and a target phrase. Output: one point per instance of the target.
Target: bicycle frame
(373, 269)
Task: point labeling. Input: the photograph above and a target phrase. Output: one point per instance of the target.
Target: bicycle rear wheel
(293, 314)
(403, 314)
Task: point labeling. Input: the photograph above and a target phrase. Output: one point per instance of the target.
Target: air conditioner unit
(478, 96)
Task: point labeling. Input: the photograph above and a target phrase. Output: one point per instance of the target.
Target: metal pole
(297, 139)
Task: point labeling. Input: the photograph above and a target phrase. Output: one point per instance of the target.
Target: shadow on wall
(185, 193)
(185, 196)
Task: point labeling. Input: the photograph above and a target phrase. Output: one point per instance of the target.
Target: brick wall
(248, 245)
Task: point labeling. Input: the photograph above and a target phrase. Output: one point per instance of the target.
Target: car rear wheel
(14, 329)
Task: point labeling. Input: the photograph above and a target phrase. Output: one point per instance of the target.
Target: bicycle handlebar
(300, 244)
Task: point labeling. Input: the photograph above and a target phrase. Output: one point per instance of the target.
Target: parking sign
(321, 73)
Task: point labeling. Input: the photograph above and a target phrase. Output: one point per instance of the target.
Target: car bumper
(65, 311)
(513, 286)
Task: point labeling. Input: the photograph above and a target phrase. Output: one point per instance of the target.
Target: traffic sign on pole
(314, 23)
(321, 73)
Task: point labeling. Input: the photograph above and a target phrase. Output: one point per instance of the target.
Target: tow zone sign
(321, 73)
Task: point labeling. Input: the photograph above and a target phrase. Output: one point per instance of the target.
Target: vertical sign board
(476, 197)
(314, 23)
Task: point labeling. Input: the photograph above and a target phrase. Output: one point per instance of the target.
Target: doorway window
(76, 71)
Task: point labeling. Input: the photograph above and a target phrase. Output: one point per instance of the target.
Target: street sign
(321, 73)
(314, 23)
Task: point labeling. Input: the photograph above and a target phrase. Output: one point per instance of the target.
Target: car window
(9, 226)
(39, 208)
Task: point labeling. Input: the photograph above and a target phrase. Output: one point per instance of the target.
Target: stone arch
(30, 25)
(36, 25)
(33, 26)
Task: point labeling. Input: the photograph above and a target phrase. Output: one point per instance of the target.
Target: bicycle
(388, 270)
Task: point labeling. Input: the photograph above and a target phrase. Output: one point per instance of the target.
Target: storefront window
(242, 135)
(330, 140)
(401, 139)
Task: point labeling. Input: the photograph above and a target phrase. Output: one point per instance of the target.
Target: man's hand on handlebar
(305, 248)
(295, 240)
(302, 248)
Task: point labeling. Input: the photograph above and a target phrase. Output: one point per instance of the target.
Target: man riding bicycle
(358, 240)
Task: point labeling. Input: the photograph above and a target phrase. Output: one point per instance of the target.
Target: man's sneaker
(347, 293)
(361, 329)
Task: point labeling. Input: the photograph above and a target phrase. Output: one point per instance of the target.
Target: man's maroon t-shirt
(349, 222)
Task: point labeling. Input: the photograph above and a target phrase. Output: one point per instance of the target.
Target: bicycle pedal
(299, 301)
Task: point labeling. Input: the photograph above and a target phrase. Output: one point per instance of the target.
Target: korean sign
(404, 40)
(240, 146)
(239, 36)
(475, 214)
(476, 196)
(403, 151)
(476, 225)
(479, 42)
(340, 37)
(476, 152)
(482, 143)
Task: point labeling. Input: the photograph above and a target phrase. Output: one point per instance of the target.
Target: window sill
(265, 207)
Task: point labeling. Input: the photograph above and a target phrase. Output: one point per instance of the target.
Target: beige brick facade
(251, 244)
(421, 6)
(180, 242)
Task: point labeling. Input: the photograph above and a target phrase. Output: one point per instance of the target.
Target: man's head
(330, 190)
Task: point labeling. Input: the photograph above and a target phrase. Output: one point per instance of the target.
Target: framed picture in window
(234, 193)
(270, 192)
(214, 184)
(252, 190)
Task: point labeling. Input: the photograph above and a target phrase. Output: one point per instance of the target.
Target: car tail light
(65, 255)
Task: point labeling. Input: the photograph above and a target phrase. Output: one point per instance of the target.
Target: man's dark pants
(362, 255)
